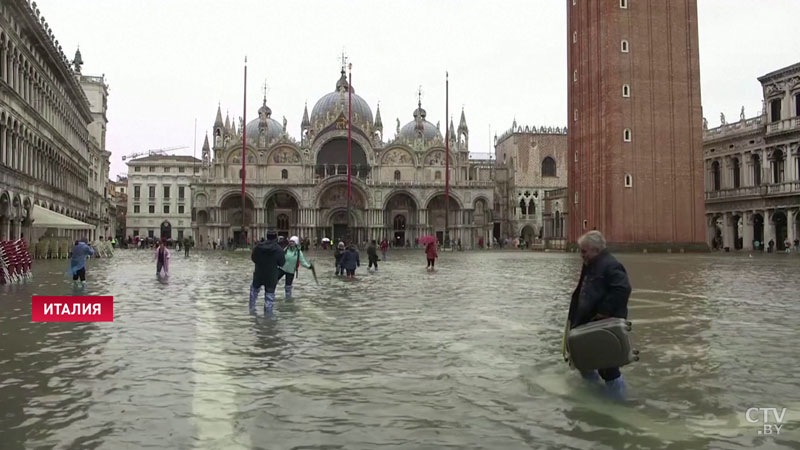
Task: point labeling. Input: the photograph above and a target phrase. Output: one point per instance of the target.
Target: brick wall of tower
(664, 158)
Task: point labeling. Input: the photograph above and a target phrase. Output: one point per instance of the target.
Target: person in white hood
(294, 257)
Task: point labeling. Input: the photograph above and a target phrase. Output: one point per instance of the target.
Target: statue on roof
(741, 114)
(722, 119)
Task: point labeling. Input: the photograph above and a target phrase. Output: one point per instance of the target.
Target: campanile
(635, 135)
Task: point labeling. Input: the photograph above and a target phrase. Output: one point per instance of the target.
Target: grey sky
(169, 62)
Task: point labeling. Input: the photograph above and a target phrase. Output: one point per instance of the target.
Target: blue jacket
(79, 254)
(603, 289)
(268, 257)
(350, 259)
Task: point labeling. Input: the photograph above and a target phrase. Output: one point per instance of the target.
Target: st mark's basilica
(300, 187)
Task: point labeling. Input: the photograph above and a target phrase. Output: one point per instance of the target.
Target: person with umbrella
(293, 258)
(77, 263)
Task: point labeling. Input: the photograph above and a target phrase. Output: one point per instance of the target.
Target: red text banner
(87, 308)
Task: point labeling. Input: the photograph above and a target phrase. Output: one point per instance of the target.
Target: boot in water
(617, 389)
(253, 297)
(288, 290)
(269, 301)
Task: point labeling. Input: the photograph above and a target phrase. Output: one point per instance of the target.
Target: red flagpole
(349, 143)
(244, 149)
(447, 159)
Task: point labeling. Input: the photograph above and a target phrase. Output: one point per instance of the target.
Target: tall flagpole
(244, 152)
(349, 145)
(447, 160)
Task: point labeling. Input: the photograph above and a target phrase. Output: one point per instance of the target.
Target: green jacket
(291, 260)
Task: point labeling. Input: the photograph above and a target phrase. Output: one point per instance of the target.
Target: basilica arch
(436, 207)
(229, 216)
(401, 217)
(282, 212)
(332, 207)
(330, 156)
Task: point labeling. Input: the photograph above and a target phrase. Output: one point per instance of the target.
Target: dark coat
(268, 257)
(372, 253)
(603, 289)
(338, 255)
(350, 259)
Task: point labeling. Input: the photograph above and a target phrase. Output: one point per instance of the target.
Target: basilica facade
(299, 187)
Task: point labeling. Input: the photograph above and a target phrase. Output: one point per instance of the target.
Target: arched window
(284, 174)
(396, 175)
(715, 175)
(523, 207)
(628, 180)
(626, 135)
(283, 222)
(777, 166)
(575, 75)
(623, 4)
(626, 90)
(574, 37)
(736, 173)
(548, 167)
(438, 175)
(624, 46)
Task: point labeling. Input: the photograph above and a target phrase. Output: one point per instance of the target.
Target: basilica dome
(274, 128)
(336, 102)
(419, 127)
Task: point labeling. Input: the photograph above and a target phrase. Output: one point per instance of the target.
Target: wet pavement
(467, 357)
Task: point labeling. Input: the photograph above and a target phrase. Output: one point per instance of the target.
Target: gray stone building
(752, 183)
(299, 187)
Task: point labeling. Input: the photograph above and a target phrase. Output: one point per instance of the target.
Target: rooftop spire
(378, 121)
(206, 147)
(462, 124)
(305, 122)
(218, 121)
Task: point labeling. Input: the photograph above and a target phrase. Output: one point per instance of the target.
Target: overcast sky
(169, 62)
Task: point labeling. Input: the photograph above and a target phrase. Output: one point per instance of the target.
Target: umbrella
(314, 272)
(325, 240)
(425, 240)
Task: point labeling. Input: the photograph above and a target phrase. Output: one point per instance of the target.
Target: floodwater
(467, 357)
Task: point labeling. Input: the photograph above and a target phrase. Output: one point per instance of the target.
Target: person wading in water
(162, 258)
(268, 258)
(372, 255)
(602, 292)
(294, 257)
(77, 263)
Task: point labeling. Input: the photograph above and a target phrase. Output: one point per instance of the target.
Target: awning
(44, 218)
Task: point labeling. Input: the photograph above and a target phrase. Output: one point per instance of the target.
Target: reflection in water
(466, 357)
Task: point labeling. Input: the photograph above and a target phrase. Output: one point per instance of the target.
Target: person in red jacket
(430, 252)
(384, 248)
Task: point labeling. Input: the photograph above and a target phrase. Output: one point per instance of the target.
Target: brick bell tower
(635, 135)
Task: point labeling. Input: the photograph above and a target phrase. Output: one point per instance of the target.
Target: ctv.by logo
(764, 415)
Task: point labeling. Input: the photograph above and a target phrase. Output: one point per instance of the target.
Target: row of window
(776, 107)
(166, 169)
(778, 171)
(622, 3)
(137, 191)
(152, 209)
(38, 90)
(628, 180)
(151, 234)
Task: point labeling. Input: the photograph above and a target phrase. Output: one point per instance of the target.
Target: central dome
(336, 102)
(419, 127)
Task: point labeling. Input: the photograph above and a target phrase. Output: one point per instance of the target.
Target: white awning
(44, 218)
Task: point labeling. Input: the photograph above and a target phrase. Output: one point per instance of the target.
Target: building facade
(44, 119)
(159, 196)
(119, 195)
(536, 159)
(299, 187)
(635, 123)
(102, 210)
(752, 168)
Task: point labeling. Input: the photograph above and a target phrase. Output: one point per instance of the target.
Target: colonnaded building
(300, 187)
(752, 169)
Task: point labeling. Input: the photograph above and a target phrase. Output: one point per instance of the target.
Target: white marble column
(791, 225)
(728, 232)
(769, 229)
(711, 230)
